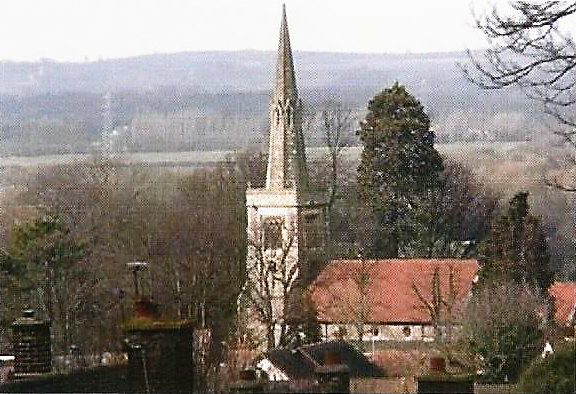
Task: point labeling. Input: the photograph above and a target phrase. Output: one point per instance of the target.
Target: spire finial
(285, 80)
(287, 158)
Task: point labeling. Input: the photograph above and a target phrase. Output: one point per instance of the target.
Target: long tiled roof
(389, 296)
(564, 296)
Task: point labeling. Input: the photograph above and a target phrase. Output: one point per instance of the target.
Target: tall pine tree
(399, 165)
(516, 248)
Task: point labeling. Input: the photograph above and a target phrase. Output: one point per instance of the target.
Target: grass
(144, 324)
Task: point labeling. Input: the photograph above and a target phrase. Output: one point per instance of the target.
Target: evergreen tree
(398, 166)
(516, 248)
(46, 266)
(554, 374)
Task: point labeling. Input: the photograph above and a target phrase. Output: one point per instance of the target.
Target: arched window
(289, 115)
(272, 233)
(406, 331)
(313, 230)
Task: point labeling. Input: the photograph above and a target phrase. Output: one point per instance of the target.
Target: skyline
(87, 30)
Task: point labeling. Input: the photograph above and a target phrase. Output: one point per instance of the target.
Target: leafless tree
(440, 307)
(190, 229)
(337, 124)
(352, 305)
(271, 277)
(502, 324)
(362, 307)
(529, 49)
(457, 214)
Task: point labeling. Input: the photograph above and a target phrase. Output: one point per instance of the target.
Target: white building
(287, 227)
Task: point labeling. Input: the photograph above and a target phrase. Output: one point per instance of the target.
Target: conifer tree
(516, 248)
(398, 165)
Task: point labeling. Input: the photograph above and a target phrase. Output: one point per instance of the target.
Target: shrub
(554, 374)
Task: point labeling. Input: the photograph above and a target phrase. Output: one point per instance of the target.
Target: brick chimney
(440, 381)
(32, 346)
(248, 383)
(333, 376)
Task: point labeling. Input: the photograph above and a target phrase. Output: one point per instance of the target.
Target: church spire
(287, 159)
(285, 79)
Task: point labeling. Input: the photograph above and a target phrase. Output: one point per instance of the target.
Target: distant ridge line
(435, 54)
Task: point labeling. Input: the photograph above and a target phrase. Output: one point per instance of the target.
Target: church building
(287, 228)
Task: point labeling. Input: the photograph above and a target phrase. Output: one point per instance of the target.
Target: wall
(263, 204)
(385, 332)
(379, 385)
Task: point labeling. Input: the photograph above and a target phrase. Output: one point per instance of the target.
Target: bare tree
(455, 216)
(502, 324)
(190, 229)
(530, 50)
(361, 309)
(353, 305)
(337, 123)
(440, 308)
(272, 273)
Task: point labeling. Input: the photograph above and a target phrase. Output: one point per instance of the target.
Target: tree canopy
(49, 273)
(90, 219)
(516, 248)
(529, 49)
(502, 326)
(398, 165)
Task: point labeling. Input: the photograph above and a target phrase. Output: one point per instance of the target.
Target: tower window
(313, 230)
(289, 115)
(272, 233)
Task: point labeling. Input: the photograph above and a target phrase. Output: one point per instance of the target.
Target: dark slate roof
(301, 363)
(292, 362)
(97, 380)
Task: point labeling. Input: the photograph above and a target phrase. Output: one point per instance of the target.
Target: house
(386, 297)
(563, 295)
(300, 364)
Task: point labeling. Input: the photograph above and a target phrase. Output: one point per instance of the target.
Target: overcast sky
(79, 30)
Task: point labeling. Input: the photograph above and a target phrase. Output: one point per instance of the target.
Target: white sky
(77, 30)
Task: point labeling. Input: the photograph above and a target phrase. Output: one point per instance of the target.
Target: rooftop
(388, 295)
(564, 296)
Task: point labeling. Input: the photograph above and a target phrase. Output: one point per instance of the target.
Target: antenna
(137, 266)
(106, 143)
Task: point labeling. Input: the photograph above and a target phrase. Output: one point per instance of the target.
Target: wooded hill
(219, 100)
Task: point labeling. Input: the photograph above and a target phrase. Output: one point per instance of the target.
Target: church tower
(287, 229)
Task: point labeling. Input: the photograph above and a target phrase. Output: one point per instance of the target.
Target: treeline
(86, 221)
(66, 257)
(176, 120)
(80, 224)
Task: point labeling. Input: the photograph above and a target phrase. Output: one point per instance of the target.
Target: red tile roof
(390, 298)
(564, 296)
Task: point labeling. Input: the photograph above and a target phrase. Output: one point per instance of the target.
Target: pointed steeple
(287, 158)
(285, 79)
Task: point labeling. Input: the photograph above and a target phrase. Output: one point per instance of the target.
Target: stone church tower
(287, 228)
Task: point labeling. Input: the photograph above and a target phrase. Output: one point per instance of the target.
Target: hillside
(219, 100)
(222, 71)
